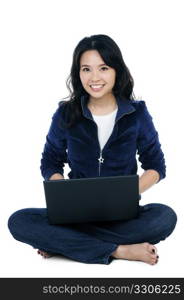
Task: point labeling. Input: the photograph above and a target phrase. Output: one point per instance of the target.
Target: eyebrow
(89, 65)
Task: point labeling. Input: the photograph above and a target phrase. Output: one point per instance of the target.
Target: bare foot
(142, 252)
(44, 254)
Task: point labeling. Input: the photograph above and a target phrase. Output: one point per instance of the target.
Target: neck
(103, 105)
(107, 101)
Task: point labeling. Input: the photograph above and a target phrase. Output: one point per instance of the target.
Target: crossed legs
(96, 242)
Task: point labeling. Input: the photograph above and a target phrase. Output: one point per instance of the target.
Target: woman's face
(97, 78)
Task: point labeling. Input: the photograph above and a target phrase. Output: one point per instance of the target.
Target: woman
(98, 133)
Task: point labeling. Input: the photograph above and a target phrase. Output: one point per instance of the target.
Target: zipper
(101, 159)
(100, 162)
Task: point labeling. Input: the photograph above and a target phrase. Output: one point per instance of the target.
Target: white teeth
(96, 85)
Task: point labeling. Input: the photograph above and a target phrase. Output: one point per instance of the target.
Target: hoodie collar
(124, 107)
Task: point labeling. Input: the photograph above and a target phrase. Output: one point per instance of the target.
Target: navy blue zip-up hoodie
(133, 132)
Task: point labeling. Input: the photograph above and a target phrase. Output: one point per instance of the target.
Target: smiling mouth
(97, 87)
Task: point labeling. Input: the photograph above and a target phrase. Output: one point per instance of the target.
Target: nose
(94, 76)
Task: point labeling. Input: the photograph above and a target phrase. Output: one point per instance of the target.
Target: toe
(153, 261)
(152, 249)
(153, 256)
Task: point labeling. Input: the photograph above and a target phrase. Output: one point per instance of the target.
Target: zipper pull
(101, 159)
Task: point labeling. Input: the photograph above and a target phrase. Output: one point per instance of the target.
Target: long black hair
(111, 55)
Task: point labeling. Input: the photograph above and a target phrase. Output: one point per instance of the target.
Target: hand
(56, 176)
(147, 179)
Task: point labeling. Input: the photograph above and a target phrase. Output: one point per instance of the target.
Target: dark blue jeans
(91, 242)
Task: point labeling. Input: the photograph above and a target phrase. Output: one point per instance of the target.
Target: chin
(97, 95)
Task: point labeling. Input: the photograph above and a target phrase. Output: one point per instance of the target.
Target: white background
(37, 41)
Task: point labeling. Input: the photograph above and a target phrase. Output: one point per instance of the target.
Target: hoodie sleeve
(54, 154)
(148, 145)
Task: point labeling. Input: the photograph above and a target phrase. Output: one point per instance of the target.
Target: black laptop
(92, 199)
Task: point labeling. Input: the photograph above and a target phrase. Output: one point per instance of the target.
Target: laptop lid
(92, 199)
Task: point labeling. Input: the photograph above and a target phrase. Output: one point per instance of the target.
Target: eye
(104, 68)
(85, 69)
